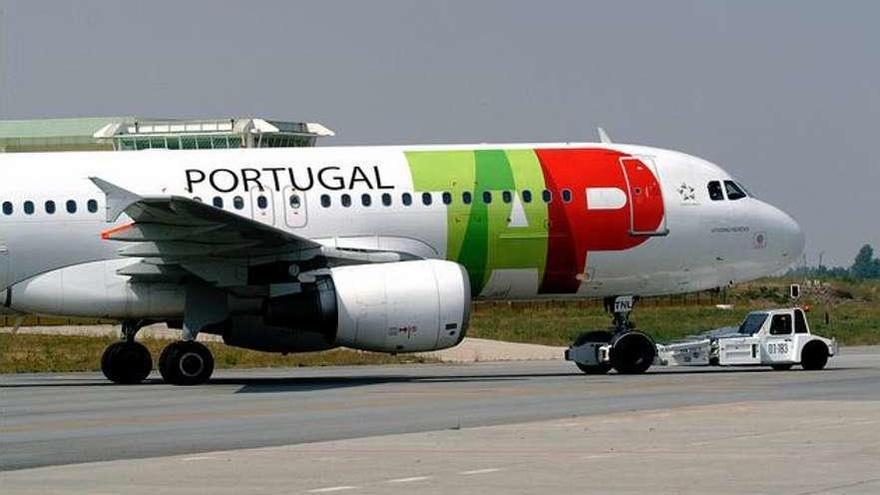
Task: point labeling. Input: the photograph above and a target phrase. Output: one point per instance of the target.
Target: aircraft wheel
(595, 336)
(633, 353)
(186, 363)
(126, 362)
(814, 356)
(782, 367)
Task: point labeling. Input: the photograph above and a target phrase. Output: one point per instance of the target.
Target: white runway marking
(481, 471)
(331, 489)
(198, 458)
(409, 480)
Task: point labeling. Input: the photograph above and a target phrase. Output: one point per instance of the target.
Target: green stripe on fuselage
(479, 235)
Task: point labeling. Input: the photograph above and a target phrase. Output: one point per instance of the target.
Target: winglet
(603, 136)
(118, 199)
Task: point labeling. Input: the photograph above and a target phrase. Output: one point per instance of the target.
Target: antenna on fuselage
(603, 136)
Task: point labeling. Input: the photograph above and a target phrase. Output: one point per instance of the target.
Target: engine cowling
(407, 306)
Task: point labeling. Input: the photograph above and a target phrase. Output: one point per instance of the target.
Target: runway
(53, 420)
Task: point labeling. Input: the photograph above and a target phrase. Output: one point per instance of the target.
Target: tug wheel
(814, 356)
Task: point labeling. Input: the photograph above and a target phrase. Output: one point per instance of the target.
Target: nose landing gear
(186, 363)
(630, 351)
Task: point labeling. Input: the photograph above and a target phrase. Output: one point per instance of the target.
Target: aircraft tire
(186, 363)
(594, 336)
(632, 353)
(126, 362)
(814, 356)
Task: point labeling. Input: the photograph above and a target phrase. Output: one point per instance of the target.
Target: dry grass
(30, 353)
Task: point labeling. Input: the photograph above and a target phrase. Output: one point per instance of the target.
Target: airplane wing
(176, 235)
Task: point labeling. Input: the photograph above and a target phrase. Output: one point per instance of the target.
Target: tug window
(50, 207)
(780, 325)
(217, 202)
(386, 199)
(346, 200)
(527, 196)
(366, 199)
(506, 196)
(91, 205)
(487, 197)
(733, 191)
(800, 323)
(262, 202)
(71, 206)
(28, 207)
(566, 195)
(7, 208)
(406, 199)
(467, 197)
(238, 202)
(715, 192)
(447, 198)
(325, 201)
(427, 198)
(547, 196)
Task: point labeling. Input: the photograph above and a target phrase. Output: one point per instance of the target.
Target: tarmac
(512, 427)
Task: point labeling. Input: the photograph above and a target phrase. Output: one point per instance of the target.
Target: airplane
(379, 248)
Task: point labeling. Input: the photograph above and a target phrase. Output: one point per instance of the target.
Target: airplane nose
(791, 236)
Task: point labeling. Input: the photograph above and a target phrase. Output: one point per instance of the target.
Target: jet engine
(407, 306)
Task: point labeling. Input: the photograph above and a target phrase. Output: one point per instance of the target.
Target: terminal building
(132, 133)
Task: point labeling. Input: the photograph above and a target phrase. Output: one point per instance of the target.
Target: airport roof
(137, 133)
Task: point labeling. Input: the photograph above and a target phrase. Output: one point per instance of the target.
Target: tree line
(865, 266)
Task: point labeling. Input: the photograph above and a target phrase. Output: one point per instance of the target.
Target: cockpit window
(752, 323)
(734, 192)
(715, 192)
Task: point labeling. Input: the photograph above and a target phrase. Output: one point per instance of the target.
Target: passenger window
(217, 202)
(296, 201)
(467, 197)
(566, 195)
(406, 199)
(447, 198)
(238, 202)
(325, 200)
(733, 190)
(426, 198)
(506, 196)
(196, 198)
(91, 205)
(487, 197)
(50, 207)
(7, 208)
(366, 199)
(262, 202)
(71, 206)
(780, 325)
(386, 199)
(527, 196)
(715, 193)
(547, 196)
(346, 200)
(28, 207)
(800, 322)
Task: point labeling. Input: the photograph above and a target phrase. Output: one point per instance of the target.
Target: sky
(783, 95)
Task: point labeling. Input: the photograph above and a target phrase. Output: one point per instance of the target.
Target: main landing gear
(631, 351)
(185, 362)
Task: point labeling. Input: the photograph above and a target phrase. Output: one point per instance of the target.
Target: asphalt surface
(56, 419)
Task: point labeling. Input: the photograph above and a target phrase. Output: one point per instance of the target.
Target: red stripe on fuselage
(574, 230)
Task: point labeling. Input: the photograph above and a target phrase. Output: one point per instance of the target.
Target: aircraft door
(647, 215)
(263, 206)
(295, 208)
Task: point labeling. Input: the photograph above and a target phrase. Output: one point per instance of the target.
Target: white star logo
(687, 192)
